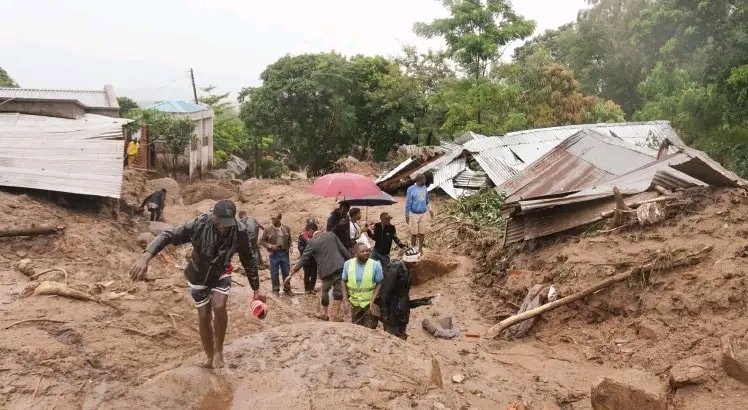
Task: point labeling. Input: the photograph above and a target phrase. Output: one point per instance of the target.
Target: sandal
(322, 317)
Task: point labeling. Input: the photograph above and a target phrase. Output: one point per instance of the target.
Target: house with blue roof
(199, 154)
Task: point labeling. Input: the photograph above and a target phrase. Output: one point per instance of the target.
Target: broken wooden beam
(44, 230)
(689, 259)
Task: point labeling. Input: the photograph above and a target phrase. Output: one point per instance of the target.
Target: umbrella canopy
(344, 184)
(381, 199)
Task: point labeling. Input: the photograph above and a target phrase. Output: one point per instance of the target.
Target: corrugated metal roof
(581, 161)
(455, 193)
(82, 156)
(88, 98)
(642, 134)
(470, 179)
(493, 162)
(176, 106)
(450, 170)
(662, 173)
(468, 136)
(395, 170)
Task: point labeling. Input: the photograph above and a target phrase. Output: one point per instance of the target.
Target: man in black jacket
(394, 299)
(339, 223)
(215, 238)
(383, 235)
(156, 202)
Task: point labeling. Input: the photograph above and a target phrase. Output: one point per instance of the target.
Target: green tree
(477, 32)
(306, 103)
(6, 80)
(126, 105)
(431, 70)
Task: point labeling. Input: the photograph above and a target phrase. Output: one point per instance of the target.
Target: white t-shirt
(355, 230)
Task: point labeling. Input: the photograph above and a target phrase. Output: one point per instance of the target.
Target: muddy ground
(141, 347)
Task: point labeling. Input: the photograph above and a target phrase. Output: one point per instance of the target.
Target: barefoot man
(215, 238)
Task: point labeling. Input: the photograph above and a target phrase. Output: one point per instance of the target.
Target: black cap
(225, 211)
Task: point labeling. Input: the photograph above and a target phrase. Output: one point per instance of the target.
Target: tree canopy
(6, 80)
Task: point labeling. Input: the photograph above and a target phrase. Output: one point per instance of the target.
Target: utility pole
(194, 89)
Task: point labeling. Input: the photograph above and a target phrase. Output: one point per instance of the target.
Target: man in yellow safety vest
(363, 281)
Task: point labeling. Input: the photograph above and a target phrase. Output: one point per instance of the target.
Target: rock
(438, 405)
(24, 266)
(158, 227)
(248, 190)
(236, 165)
(145, 238)
(629, 390)
(683, 374)
(735, 359)
(173, 191)
(458, 378)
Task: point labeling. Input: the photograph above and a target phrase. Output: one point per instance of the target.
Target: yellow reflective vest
(360, 296)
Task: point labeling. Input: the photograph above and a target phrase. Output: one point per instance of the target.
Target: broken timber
(10, 233)
(690, 259)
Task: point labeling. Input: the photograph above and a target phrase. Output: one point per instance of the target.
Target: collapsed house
(574, 186)
(61, 140)
(557, 179)
(475, 161)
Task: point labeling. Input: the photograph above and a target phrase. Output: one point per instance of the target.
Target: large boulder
(631, 389)
(173, 191)
(234, 168)
(236, 165)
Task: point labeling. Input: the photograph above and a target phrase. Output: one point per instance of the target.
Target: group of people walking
(364, 282)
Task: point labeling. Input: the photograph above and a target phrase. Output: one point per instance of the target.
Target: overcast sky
(144, 48)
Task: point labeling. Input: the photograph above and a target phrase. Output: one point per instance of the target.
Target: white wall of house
(199, 154)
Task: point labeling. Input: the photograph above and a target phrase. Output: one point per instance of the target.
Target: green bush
(219, 158)
(482, 209)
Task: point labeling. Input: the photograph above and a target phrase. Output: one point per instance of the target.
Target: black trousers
(155, 214)
(310, 275)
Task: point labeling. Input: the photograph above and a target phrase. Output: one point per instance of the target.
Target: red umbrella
(344, 184)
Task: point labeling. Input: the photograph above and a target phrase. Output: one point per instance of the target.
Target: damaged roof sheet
(672, 172)
(583, 160)
(81, 156)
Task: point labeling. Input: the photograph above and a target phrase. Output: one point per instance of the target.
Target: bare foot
(218, 360)
(208, 364)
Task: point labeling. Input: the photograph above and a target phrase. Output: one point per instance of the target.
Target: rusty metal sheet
(581, 161)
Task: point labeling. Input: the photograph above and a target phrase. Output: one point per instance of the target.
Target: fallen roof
(103, 98)
(81, 156)
(534, 218)
(176, 106)
(529, 145)
(581, 161)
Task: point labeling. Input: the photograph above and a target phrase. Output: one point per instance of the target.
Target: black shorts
(201, 293)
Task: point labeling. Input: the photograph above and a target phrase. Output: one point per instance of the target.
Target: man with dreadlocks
(215, 238)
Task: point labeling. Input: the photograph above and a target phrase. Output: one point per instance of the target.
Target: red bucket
(259, 309)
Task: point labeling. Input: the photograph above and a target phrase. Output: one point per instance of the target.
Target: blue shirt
(378, 275)
(416, 200)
